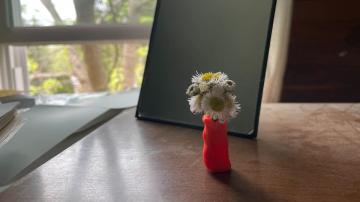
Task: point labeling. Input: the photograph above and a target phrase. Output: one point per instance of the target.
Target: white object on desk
(47, 131)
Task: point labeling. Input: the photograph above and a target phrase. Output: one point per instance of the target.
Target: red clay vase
(216, 148)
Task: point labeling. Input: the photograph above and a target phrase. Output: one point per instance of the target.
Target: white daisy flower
(217, 88)
(214, 106)
(195, 104)
(212, 94)
(233, 106)
(204, 87)
(228, 85)
(193, 90)
(220, 76)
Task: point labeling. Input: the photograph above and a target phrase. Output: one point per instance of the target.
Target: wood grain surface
(304, 152)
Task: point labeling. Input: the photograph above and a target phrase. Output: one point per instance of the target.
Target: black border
(261, 86)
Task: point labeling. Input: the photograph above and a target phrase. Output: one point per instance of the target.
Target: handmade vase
(215, 149)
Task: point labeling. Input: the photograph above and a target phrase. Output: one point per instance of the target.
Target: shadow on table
(244, 189)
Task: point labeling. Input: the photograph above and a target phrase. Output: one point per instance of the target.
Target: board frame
(254, 134)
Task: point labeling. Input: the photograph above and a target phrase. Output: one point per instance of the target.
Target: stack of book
(8, 113)
(25, 101)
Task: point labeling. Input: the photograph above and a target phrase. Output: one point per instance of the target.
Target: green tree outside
(67, 68)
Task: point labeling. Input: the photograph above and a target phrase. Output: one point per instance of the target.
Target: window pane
(76, 68)
(82, 12)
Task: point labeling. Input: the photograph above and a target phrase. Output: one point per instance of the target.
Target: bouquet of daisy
(212, 94)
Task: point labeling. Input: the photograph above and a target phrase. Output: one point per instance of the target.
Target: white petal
(195, 104)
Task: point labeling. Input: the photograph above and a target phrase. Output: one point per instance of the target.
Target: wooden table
(304, 152)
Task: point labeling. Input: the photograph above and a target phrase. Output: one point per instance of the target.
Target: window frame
(59, 34)
(6, 77)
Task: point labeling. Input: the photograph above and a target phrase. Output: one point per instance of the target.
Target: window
(67, 46)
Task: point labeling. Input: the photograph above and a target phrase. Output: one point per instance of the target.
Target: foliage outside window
(91, 66)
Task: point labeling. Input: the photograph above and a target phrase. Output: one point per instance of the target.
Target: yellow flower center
(217, 104)
(217, 75)
(209, 75)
